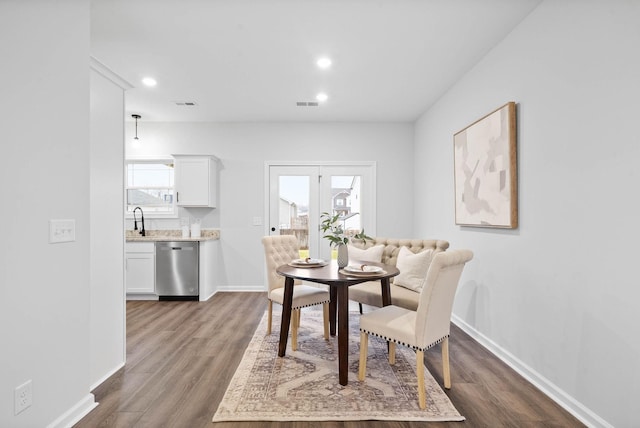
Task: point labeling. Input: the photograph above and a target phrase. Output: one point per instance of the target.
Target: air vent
(186, 103)
(307, 104)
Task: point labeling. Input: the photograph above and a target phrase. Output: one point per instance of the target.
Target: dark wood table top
(332, 275)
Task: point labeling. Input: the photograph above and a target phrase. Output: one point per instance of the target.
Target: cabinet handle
(177, 196)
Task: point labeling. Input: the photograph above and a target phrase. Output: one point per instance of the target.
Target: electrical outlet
(23, 397)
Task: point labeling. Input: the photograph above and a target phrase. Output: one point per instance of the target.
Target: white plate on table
(308, 262)
(363, 269)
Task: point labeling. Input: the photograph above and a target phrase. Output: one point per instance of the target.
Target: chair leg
(325, 316)
(422, 396)
(446, 371)
(270, 316)
(294, 329)
(364, 343)
(392, 352)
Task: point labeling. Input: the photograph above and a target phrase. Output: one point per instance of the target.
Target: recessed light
(149, 81)
(322, 97)
(324, 62)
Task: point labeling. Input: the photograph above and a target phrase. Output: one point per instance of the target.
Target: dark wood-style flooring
(182, 355)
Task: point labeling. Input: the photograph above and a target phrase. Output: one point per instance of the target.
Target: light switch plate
(62, 231)
(257, 221)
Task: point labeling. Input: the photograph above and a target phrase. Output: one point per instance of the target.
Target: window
(150, 186)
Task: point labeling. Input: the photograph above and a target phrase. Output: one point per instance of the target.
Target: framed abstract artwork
(485, 171)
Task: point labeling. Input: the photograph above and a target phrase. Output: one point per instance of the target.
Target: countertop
(170, 235)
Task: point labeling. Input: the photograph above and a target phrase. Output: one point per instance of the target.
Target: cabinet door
(194, 182)
(140, 269)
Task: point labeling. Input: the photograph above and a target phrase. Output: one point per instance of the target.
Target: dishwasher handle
(176, 248)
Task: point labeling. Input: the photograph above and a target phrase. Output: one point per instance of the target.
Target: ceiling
(253, 60)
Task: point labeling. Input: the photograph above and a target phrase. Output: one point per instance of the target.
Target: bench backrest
(392, 246)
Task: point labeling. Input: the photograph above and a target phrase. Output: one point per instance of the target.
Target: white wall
(558, 296)
(44, 133)
(107, 225)
(243, 150)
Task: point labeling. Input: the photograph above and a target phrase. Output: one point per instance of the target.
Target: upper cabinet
(196, 180)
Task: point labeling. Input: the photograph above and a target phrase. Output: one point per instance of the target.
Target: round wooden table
(338, 283)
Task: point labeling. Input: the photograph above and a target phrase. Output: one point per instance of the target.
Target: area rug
(303, 385)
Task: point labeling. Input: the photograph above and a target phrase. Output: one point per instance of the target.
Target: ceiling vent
(307, 104)
(186, 103)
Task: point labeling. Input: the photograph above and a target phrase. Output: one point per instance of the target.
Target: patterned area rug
(303, 385)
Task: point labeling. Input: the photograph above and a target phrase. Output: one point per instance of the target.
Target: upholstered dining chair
(423, 328)
(280, 250)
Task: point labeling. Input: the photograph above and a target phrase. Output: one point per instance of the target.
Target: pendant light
(136, 117)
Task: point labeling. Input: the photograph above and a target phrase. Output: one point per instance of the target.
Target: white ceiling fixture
(149, 81)
(324, 63)
(322, 97)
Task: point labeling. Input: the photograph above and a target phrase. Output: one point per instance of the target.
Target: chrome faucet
(135, 222)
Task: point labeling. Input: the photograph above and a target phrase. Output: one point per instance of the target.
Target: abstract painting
(485, 174)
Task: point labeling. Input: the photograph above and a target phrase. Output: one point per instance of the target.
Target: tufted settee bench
(369, 293)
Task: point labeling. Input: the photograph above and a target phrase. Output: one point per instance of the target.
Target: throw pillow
(413, 268)
(373, 254)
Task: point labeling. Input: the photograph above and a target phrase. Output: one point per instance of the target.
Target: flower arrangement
(334, 231)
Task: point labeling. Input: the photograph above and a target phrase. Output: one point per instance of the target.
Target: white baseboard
(227, 288)
(240, 288)
(563, 399)
(205, 298)
(74, 414)
(106, 376)
(142, 296)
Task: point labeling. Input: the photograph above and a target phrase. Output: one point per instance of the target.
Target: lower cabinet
(140, 268)
(209, 274)
(140, 264)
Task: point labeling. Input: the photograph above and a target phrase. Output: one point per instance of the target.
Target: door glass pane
(293, 209)
(299, 194)
(346, 197)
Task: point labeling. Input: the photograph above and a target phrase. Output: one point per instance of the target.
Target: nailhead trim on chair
(415, 348)
(306, 306)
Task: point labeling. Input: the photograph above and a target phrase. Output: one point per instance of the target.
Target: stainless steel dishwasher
(177, 270)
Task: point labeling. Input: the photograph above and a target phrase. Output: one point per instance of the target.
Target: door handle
(273, 229)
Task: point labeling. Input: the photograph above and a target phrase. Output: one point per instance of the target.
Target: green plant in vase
(331, 226)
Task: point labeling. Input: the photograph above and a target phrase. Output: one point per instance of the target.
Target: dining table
(339, 279)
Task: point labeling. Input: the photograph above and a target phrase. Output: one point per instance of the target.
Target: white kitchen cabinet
(196, 180)
(140, 265)
(209, 272)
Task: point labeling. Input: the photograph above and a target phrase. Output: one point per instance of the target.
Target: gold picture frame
(485, 171)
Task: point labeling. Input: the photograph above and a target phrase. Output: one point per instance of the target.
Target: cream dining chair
(423, 328)
(280, 250)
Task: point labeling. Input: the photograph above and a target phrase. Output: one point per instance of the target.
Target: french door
(299, 193)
